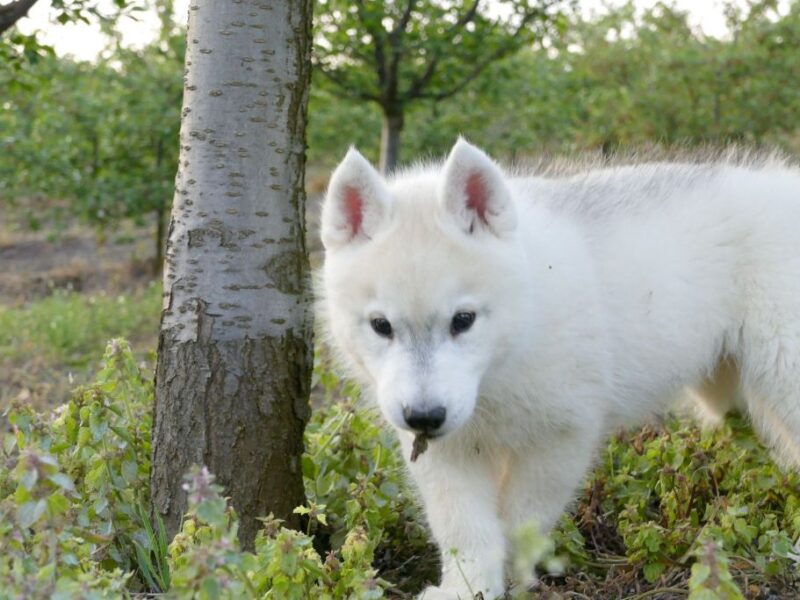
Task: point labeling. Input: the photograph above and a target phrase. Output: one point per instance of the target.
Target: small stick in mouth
(420, 445)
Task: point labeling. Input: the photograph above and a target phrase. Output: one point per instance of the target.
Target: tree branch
(377, 36)
(466, 18)
(13, 12)
(402, 23)
(346, 89)
(395, 41)
(479, 68)
(420, 82)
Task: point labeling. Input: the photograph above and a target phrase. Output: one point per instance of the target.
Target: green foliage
(74, 501)
(626, 79)
(711, 578)
(670, 497)
(19, 54)
(72, 486)
(92, 135)
(103, 136)
(687, 485)
(206, 561)
(395, 51)
(99, 139)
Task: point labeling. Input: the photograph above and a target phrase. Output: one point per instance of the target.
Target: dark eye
(461, 322)
(382, 327)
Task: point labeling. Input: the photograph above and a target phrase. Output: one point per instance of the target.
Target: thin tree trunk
(390, 141)
(235, 353)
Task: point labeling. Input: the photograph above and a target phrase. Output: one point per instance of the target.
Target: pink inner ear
(477, 195)
(353, 209)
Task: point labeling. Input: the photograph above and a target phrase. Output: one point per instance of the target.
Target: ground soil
(72, 256)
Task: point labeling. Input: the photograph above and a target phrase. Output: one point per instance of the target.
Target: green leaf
(210, 588)
(30, 512)
(130, 471)
(57, 504)
(700, 573)
(211, 512)
(704, 594)
(63, 481)
(29, 479)
(652, 571)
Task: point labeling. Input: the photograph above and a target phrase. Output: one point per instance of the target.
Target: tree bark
(235, 350)
(12, 12)
(390, 141)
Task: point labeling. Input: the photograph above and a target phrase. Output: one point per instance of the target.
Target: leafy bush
(75, 498)
(666, 499)
(73, 486)
(672, 511)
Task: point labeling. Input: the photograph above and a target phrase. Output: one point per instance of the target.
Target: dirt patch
(77, 257)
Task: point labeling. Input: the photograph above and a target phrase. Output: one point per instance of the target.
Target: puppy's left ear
(474, 191)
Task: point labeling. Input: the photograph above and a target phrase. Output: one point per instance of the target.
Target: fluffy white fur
(599, 298)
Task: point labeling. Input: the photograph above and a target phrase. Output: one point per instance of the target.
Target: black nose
(425, 420)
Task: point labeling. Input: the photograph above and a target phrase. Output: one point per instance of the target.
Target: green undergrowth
(679, 503)
(670, 512)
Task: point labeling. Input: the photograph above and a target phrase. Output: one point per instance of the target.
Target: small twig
(656, 591)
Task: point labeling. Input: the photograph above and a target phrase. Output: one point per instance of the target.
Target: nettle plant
(674, 497)
(73, 485)
(74, 509)
(74, 506)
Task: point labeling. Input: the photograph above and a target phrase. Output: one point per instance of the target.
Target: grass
(50, 344)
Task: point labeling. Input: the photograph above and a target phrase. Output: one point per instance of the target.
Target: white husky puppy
(515, 321)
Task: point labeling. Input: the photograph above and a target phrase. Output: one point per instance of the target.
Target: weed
(670, 512)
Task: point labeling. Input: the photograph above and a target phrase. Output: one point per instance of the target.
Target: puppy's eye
(382, 327)
(461, 322)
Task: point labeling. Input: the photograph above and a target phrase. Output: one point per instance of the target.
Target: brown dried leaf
(420, 445)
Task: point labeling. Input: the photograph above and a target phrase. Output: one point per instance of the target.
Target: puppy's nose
(427, 421)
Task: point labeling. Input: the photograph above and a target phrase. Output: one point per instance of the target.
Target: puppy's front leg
(460, 497)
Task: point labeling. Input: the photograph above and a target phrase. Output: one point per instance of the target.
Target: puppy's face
(418, 284)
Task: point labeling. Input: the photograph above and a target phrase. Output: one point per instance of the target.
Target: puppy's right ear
(357, 203)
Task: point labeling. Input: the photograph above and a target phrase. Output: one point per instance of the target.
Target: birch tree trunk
(235, 352)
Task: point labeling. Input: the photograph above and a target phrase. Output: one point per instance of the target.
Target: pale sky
(86, 42)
